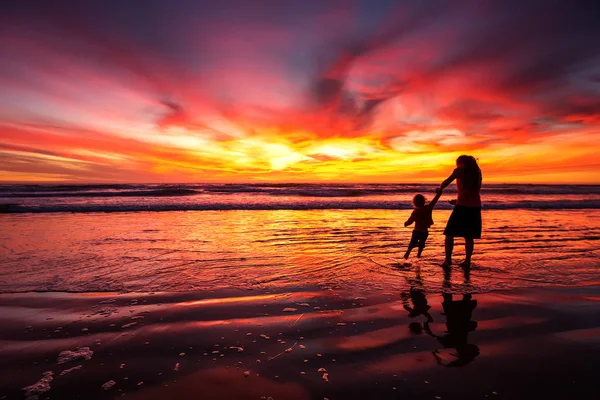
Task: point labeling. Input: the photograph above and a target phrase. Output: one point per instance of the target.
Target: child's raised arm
(438, 193)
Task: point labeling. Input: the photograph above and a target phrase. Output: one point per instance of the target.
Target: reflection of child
(419, 304)
(422, 217)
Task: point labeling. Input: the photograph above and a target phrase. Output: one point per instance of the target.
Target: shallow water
(288, 250)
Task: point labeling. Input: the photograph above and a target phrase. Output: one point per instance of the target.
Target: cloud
(237, 90)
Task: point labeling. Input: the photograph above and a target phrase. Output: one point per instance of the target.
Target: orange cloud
(330, 93)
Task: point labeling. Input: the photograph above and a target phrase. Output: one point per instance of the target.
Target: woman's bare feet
(465, 264)
(447, 264)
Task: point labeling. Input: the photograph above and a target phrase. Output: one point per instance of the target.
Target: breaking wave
(313, 205)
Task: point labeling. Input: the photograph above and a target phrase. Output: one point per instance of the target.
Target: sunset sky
(298, 91)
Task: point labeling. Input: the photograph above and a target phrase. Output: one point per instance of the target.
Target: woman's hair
(419, 200)
(472, 173)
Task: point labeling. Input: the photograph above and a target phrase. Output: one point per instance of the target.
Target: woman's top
(468, 195)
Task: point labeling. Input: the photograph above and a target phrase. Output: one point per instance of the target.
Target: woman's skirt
(464, 222)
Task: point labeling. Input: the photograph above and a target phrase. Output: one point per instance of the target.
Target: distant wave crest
(321, 205)
(164, 192)
(300, 190)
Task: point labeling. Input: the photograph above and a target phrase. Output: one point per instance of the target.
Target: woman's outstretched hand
(438, 190)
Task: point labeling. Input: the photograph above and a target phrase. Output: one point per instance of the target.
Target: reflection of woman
(465, 220)
(458, 325)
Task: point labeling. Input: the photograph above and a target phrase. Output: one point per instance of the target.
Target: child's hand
(438, 190)
(405, 224)
(453, 202)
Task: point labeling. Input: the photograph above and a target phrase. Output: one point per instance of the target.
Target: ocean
(285, 237)
(182, 197)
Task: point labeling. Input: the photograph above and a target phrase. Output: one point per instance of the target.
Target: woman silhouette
(465, 220)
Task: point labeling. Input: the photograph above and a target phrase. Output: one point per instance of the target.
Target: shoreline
(543, 285)
(520, 343)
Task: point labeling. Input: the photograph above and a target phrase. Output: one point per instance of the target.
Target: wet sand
(535, 343)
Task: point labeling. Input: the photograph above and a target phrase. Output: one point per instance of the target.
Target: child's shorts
(418, 239)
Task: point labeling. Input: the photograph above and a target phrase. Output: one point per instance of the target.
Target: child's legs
(422, 240)
(414, 242)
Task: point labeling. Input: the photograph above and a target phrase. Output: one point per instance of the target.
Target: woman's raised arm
(451, 178)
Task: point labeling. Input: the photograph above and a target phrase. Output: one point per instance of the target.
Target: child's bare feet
(447, 264)
(465, 264)
(406, 256)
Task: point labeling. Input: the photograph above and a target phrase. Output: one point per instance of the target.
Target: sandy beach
(534, 343)
(296, 304)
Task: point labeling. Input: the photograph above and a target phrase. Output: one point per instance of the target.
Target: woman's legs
(469, 245)
(449, 246)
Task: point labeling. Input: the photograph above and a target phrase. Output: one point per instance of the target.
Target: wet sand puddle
(294, 345)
